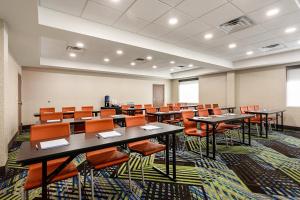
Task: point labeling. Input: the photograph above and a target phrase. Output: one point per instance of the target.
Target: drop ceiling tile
(100, 13)
(251, 5)
(284, 21)
(222, 14)
(121, 5)
(285, 7)
(171, 2)
(217, 34)
(148, 10)
(249, 32)
(73, 7)
(193, 28)
(154, 30)
(173, 37)
(182, 19)
(197, 8)
(131, 23)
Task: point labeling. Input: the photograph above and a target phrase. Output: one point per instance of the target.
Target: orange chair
(106, 157)
(87, 108)
(203, 113)
(190, 128)
(83, 114)
(215, 105)
(170, 106)
(251, 108)
(254, 120)
(138, 112)
(166, 118)
(123, 108)
(47, 110)
(34, 177)
(200, 106)
(51, 116)
(148, 106)
(256, 107)
(104, 113)
(144, 147)
(68, 109)
(151, 118)
(207, 106)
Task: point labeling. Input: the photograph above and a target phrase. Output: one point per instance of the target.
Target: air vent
(272, 47)
(140, 59)
(180, 66)
(237, 24)
(74, 49)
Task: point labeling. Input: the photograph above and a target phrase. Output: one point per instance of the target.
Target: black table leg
(276, 121)
(249, 131)
(243, 128)
(44, 179)
(261, 125)
(167, 155)
(207, 141)
(174, 155)
(214, 140)
(267, 125)
(281, 116)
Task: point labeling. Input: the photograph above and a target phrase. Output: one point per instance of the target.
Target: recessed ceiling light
(132, 63)
(173, 21)
(272, 12)
(106, 59)
(115, 1)
(208, 36)
(191, 65)
(172, 70)
(298, 42)
(249, 53)
(172, 62)
(232, 46)
(290, 30)
(79, 44)
(119, 52)
(149, 57)
(73, 55)
(154, 66)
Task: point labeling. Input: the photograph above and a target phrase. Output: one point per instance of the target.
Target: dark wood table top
(265, 111)
(82, 143)
(133, 109)
(169, 113)
(65, 113)
(215, 119)
(227, 107)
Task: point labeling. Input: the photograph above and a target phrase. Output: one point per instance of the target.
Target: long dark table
(160, 115)
(131, 111)
(267, 113)
(82, 143)
(215, 120)
(95, 113)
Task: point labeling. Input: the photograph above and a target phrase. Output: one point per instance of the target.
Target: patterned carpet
(269, 169)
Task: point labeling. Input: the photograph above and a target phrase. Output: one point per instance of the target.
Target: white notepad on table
(54, 143)
(86, 118)
(201, 117)
(150, 127)
(109, 134)
(53, 120)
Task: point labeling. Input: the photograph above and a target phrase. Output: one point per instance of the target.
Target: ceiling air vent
(237, 24)
(74, 49)
(272, 47)
(181, 66)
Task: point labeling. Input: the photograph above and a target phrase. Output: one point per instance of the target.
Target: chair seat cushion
(106, 158)
(147, 148)
(34, 177)
(195, 132)
(229, 126)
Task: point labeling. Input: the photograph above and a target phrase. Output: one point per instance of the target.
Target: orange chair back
(87, 108)
(47, 110)
(49, 131)
(176, 108)
(81, 114)
(177, 104)
(256, 107)
(51, 116)
(200, 106)
(124, 107)
(203, 113)
(107, 112)
(147, 106)
(251, 108)
(99, 125)
(243, 109)
(215, 105)
(207, 106)
(164, 109)
(217, 111)
(138, 120)
(68, 109)
(138, 106)
(187, 123)
(150, 110)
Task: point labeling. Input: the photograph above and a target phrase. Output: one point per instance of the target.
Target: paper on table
(86, 117)
(150, 127)
(201, 117)
(109, 134)
(54, 143)
(53, 120)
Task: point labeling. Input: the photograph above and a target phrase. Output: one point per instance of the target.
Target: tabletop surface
(265, 111)
(170, 112)
(69, 112)
(213, 119)
(81, 143)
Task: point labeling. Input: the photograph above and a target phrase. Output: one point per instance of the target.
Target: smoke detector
(272, 47)
(236, 24)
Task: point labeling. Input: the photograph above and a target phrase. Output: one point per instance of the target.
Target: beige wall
(44, 88)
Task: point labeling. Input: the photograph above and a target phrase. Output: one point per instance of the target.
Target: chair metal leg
(239, 133)
(199, 140)
(129, 173)
(142, 168)
(79, 186)
(84, 171)
(257, 130)
(92, 184)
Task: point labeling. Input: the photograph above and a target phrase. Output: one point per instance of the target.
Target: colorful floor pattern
(269, 169)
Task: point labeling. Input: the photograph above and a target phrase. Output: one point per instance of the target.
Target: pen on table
(36, 147)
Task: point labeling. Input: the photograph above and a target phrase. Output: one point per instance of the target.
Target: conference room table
(131, 111)
(95, 113)
(264, 115)
(160, 115)
(31, 152)
(230, 109)
(214, 120)
(194, 106)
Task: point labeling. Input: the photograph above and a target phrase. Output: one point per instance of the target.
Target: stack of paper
(53, 120)
(54, 143)
(86, 118)
(109, 134)
(150, 127)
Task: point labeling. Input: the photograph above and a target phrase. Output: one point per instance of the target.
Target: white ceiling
(144, 25)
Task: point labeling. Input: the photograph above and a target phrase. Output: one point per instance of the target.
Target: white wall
(70, 88)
